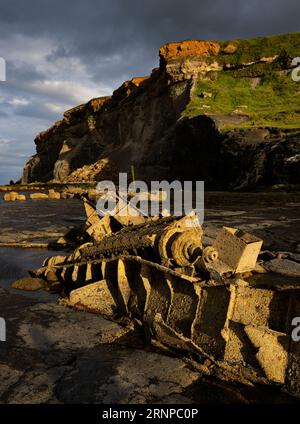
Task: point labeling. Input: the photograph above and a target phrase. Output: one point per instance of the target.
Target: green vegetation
(263, 91)
(250, 50)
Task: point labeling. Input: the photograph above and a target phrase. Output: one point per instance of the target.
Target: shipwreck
(218, 305)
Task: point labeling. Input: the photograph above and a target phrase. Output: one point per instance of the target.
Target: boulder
(28, 284)
(10, 196)
(53, 195)
(230, 48)
(284, 267)
(272, 353)
(39, 196)
(95, 297)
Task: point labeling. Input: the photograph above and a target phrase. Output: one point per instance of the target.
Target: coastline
(54, 341)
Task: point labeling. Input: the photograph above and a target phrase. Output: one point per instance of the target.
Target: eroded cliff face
(117, 131)
(167, 126)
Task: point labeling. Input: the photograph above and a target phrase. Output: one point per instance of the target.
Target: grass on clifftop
(249, 50)
(263, 91)
(274, 101)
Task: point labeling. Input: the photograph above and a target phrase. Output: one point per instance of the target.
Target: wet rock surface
(58, 355)
(273, 217)
(32, 222)
(284, 267)
(29, 284)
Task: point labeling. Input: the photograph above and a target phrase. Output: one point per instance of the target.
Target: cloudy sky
(61, 53)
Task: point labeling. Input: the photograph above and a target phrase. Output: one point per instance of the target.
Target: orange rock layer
(189, 48)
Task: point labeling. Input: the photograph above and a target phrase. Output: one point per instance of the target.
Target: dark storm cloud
(61, 53)
(123, 36)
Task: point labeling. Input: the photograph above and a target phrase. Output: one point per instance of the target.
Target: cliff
(224, 112)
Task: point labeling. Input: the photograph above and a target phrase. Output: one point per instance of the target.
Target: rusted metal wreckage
(187, 297)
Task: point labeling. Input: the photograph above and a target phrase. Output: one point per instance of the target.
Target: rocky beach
(57, 355)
